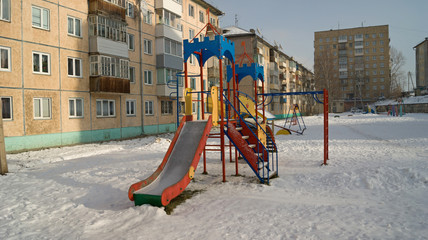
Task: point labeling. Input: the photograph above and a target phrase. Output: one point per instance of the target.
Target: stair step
(245, 137)
(252, 145)
(238, 128)
(264, 165)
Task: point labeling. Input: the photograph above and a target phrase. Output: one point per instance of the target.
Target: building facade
(421, 52)
(84, 71)
(282, 73)
(353, 64)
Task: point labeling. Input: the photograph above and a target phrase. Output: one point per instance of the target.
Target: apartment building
(353, 64)
(84, 71)
(282, 73)
(421, 53)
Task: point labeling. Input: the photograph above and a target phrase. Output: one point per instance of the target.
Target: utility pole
(3, 163)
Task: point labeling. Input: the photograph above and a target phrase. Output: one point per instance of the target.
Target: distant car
(356, 110)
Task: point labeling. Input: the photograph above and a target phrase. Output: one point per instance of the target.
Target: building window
(194, 108)
(132, 74)
(130, 107)
(382, 50)
(166, 107)
(41, 63)
(191, 11)
(106, 108)
(147, 18)
(212, 21)
(148, 46)
(201, 17)
(148, 106)
(6, 108)
(75, 107)
(74, 67)
(374, 87)
(131, 44)
(381, 35)
(107, 28)
(109, 66)
(193, 83)
(172, 47)
(42, 108)
(374, 35)
(120, 3)
(5, 59)
(148, 77)
(74, 26)
(40, 17)
(5, 10)
(129, 10)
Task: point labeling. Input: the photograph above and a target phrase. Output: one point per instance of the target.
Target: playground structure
(231, 115)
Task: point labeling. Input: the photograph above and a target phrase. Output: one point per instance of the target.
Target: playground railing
(275, 165)
(271, 166)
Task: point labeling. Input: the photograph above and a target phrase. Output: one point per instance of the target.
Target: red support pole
(201, 70)
(185, 74)
(236, 113)
(202, 86)
(325, 126)
(263, 100)
(255, 103)
(222, 121)
(234, 92)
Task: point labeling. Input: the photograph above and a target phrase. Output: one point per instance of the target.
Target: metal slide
(177, 168)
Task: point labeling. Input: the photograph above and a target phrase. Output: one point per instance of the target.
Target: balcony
(170, 5)
(107, 46)
(109, 84)
(163, 30)
(108, 8)
(282, 64)
(213, 72)
(169, 61)
(164, 90)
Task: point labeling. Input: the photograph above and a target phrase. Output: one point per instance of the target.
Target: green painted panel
(29, 142)
(131, 132)
(154, 200)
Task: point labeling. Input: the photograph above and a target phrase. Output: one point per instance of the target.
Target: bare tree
(396, 63)
(326, 75)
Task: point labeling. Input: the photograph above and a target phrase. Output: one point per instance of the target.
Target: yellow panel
(215, 104)
(188, 101)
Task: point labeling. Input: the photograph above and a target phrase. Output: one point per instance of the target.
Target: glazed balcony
(113, 8)
(170, 5)
(109, 84)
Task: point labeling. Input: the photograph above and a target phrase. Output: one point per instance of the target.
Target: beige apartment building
(421, 53)
(84, 71)
(353, 64)
(282, 73)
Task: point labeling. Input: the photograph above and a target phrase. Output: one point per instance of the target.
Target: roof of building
(213, 9)
(345, 29)
(234, 31)
(426, 39)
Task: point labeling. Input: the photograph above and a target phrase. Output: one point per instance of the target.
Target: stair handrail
(267, 136)
(259, 159)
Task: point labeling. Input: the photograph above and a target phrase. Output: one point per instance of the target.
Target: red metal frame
(325, 126)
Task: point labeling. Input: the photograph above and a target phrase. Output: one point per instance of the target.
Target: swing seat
(283, 132)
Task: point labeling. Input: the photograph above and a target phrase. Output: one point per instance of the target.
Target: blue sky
(293, 23)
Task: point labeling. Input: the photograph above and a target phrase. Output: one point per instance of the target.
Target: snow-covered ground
(375, 187)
